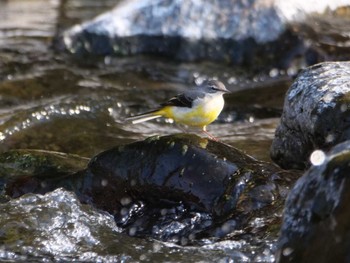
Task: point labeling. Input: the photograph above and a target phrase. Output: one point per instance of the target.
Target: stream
(49, 101)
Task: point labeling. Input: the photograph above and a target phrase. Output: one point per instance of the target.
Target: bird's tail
(144, 117)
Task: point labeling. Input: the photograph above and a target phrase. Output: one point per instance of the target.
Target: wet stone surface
(315, 115)
(316, 220)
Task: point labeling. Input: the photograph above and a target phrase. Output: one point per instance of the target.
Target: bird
(196, 107)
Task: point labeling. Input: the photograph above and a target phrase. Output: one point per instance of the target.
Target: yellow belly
(198, 116)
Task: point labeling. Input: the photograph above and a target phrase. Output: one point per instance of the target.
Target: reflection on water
(49, 102)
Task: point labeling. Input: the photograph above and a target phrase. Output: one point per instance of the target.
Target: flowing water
(49, 101)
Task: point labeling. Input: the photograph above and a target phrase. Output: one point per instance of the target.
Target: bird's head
(214, 86)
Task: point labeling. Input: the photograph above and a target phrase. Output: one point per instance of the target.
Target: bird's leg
(181, 128)
(204, 130)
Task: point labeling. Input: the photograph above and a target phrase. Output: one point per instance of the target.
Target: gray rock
(235, 31)
(316, 224)
(316, 114)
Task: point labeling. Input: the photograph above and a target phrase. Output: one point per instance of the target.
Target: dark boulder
(153, 187)
(316, 223)
(316, 114)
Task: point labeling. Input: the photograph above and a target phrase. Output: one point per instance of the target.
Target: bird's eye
(213, 88)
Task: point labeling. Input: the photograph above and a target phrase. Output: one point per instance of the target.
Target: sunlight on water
(45, 115)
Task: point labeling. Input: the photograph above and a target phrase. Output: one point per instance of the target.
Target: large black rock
(316, 224)
(316, 114)
(198, 183)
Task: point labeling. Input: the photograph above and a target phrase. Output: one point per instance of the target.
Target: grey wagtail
(197, 107)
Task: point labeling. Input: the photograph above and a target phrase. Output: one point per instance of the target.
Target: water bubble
(192, 236)
(228, 226)
(132, 231)
(273, 73)
(292, 71)
(133, 182)
(196, 74)
(184, 241)
(143, 257)
(317, 157)
(330, 138)
(232, 80)
(125, 201)
(104, 182)
(107, 60)
(124, 211)
(156, 247)
(200, 80)
(287, 251)
(343, 107)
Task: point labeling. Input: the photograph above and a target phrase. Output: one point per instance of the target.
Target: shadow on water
(49, 102)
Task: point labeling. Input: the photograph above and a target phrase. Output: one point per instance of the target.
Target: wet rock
(317, 215)
(29, 169)
(239, 32)
(325, 33)
(19, 163)
(178, 188)
(316, 114)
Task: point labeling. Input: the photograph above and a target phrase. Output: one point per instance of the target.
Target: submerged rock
(316, 114)
(240, 32)
(20, 165)
(316, 224)
(176, 188)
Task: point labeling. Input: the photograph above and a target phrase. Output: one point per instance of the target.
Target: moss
(345, 98)
(37, 162)
(337, 162)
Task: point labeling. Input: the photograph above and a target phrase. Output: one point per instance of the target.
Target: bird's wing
(179, 101)
(184, 99)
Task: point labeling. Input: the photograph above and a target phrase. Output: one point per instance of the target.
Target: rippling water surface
(48, 101)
